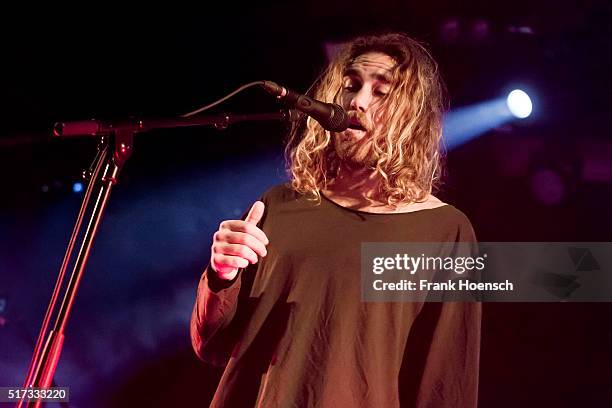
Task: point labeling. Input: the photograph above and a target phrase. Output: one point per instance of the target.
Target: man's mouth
(356, 124)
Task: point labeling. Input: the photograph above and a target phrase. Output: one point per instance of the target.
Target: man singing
(280, 304)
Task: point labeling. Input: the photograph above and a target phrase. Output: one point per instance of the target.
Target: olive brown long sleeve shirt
(293, 331)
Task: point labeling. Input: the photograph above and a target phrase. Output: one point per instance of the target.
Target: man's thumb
(255, 213)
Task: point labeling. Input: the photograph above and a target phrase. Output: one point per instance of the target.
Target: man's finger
(255, 213)
(249, 240)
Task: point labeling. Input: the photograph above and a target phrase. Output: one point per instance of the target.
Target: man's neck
(358, 189)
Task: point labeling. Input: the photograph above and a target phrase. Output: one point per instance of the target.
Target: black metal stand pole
(110, 159)
(113, 151)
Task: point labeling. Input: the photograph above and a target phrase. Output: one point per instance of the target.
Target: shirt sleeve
(220, 310)
(441, 358)
(215, 307)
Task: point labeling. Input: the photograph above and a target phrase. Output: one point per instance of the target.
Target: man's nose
(361, 100)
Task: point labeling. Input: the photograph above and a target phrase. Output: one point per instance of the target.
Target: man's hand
(238, 243)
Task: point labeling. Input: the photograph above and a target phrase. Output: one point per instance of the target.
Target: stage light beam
(519, 103)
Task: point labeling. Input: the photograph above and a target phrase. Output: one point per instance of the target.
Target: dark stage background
(547, 178)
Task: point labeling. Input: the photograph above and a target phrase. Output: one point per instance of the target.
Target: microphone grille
(339, 120)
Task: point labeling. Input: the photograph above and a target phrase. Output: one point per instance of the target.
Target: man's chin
(354, 152)
(355, 134)
(356, 160)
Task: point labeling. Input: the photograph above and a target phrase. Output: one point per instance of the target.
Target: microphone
(330, 115)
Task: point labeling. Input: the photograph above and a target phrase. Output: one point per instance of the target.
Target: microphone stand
(114, 149)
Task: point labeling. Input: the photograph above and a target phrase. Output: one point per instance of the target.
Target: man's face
(366, 82)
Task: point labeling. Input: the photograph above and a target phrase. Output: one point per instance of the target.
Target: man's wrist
(216, 282)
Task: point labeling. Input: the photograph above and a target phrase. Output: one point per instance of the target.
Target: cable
(226, 97)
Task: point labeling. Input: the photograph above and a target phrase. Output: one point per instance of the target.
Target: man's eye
(351, 87)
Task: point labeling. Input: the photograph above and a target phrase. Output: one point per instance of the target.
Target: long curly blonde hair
(406, 147)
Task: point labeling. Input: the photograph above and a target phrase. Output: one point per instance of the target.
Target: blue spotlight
(467, 122)
(519, 103)
(77, 187)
